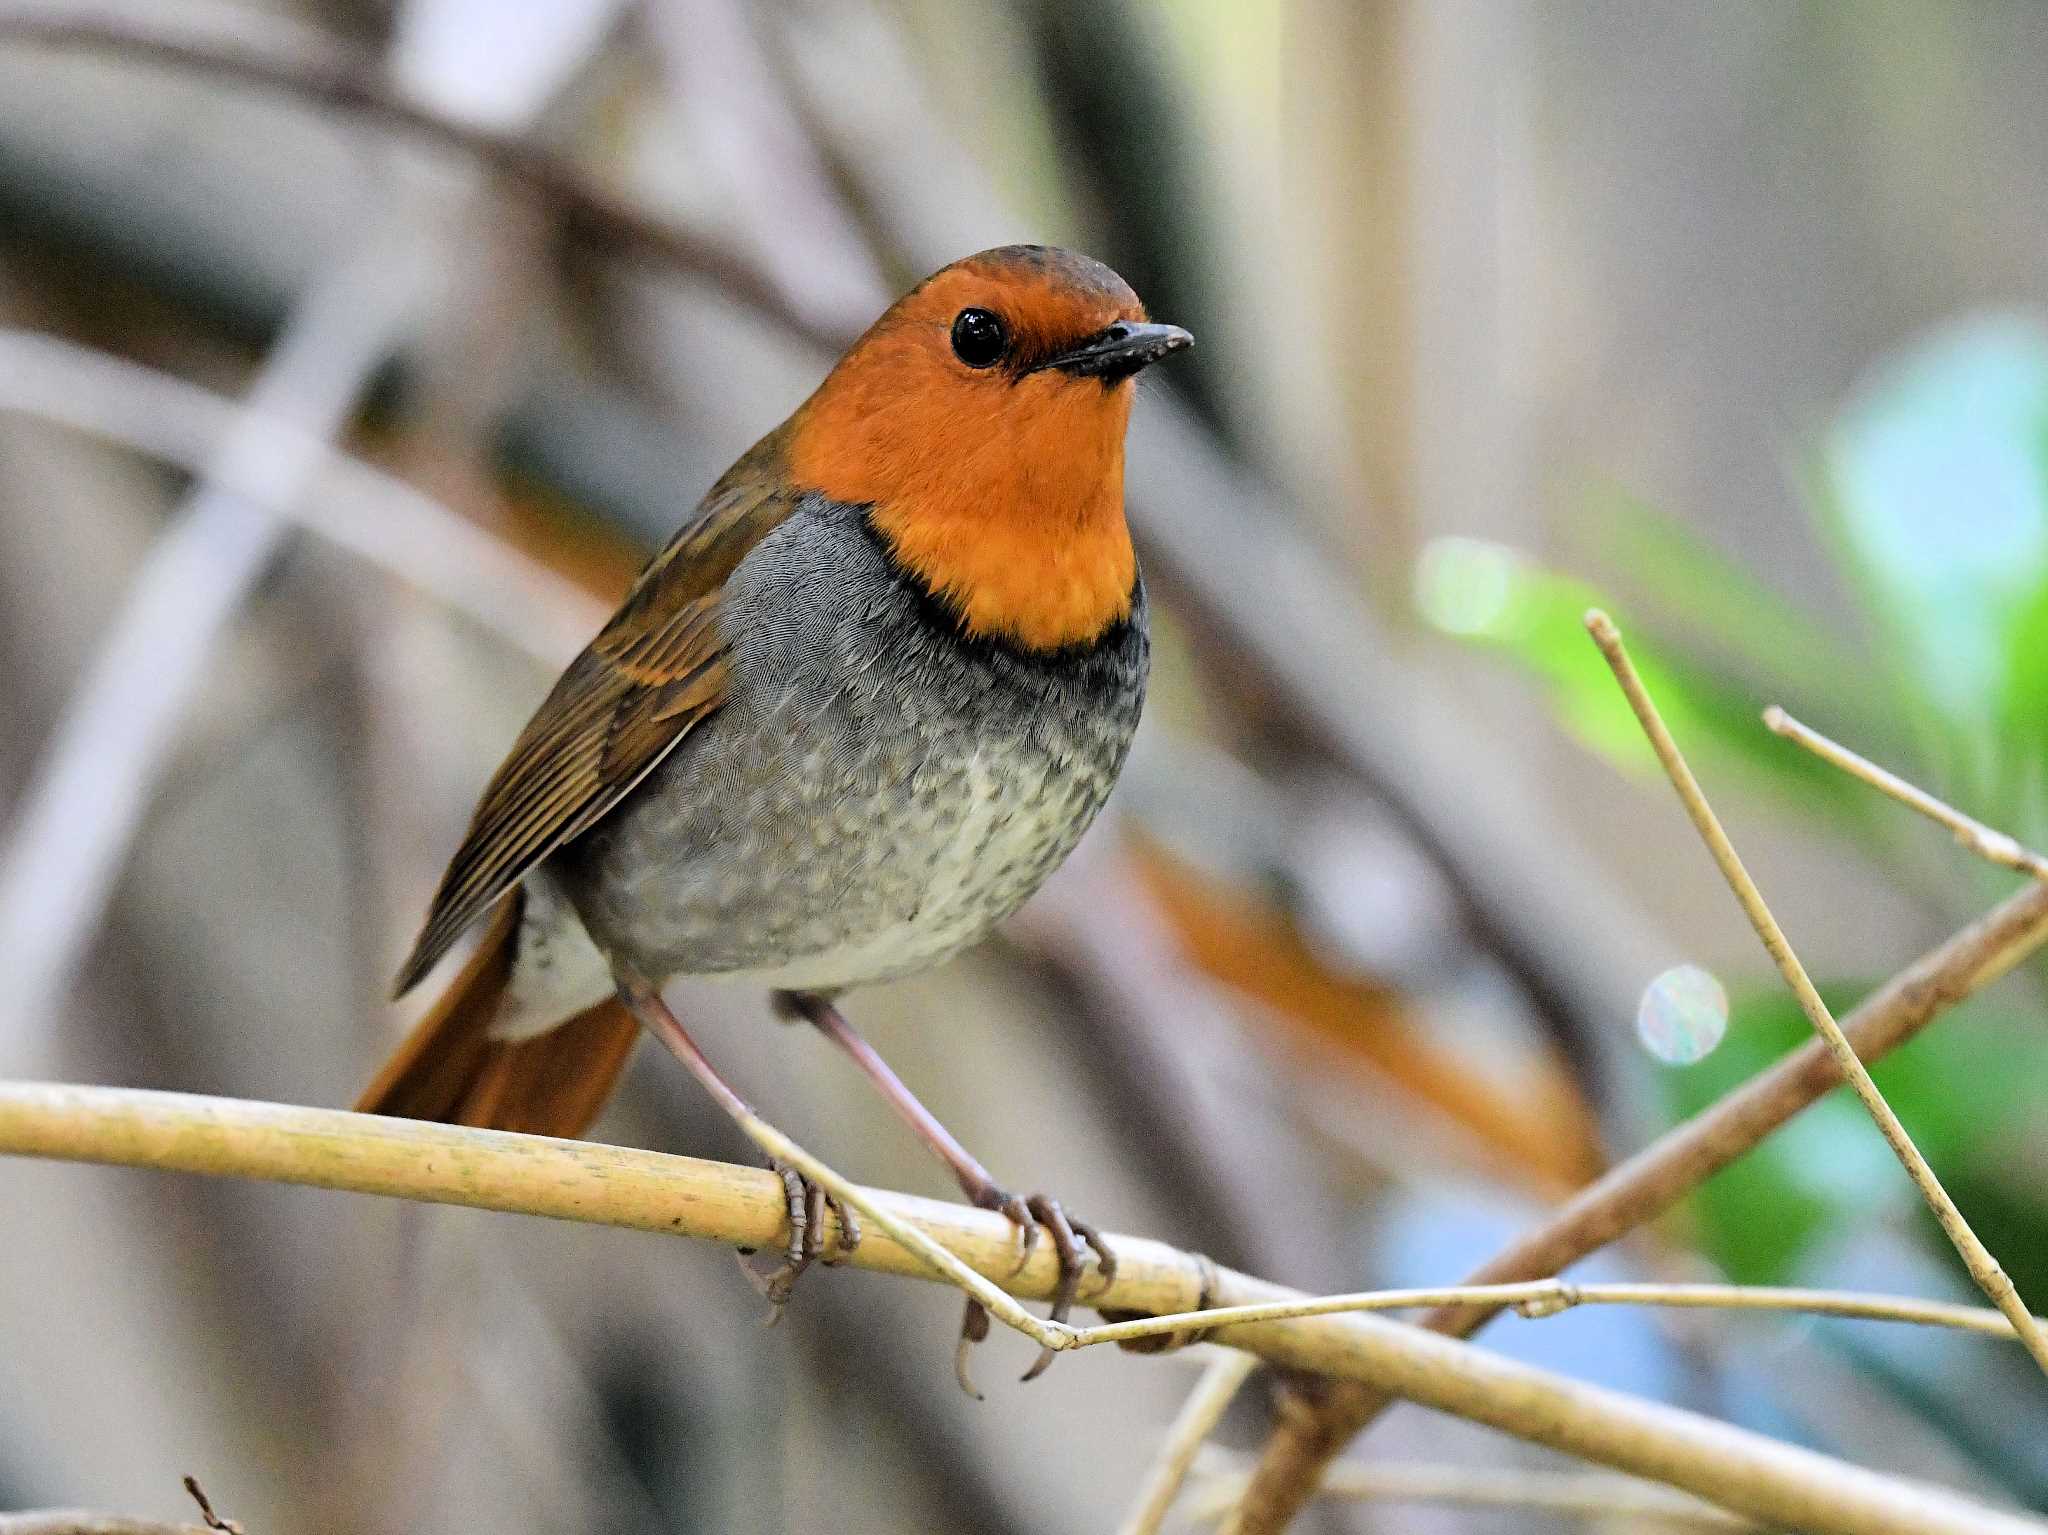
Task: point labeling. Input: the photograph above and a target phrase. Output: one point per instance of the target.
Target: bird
(847, 720)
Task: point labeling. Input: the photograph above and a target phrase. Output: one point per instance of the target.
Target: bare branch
(77, 1521)
(1591, 1495)
(212, 1520)
(1984, 1269)
(1988, 843)
(1214, 1392)
(1657, 1177)
(1551, 1297)
(573, 1180)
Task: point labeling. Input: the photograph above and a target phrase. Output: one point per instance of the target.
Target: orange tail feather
(449, 1068)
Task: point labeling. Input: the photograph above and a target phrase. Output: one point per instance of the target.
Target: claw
(1068, 1235)
(1072, 1241)
(1018, 1213)
(973, 1330)
(806, 1205)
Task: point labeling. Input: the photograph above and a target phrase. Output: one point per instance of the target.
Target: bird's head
(981, 420)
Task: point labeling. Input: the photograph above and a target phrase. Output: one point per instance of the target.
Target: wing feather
(656, 671)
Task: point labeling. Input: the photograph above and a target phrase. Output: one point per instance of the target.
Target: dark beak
(1120, 351)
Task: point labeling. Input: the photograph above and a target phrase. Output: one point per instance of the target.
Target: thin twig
(1649, 1183)
(1550, 1297)
(1221, 1380)
(1589, 1495)
(647, 1005)
(1776, 1483)
(1988, 843)
(212, 1520)
(1984, 1268)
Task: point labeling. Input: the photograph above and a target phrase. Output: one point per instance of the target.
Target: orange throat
(1014, 518)
(1010, 578)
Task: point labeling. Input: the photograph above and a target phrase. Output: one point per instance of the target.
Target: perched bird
(863, 703)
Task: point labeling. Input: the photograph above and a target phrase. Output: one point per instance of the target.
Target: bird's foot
(810, 1228)
(1072, 1241)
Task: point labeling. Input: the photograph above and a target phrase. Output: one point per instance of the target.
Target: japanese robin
(863, 703)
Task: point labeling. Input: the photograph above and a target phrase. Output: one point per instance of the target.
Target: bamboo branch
(1552, 1297)
(1589, 1495)
(1988, 843)
(77, 1521)
(1657, 1177)
(573, 1180)
(1983, 1267)
(1221, 1380)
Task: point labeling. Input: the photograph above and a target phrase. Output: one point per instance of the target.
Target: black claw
(973, 1330)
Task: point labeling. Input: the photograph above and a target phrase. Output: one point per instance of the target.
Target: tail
(451, 1070)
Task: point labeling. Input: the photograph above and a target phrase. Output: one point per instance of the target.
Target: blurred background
(1733, 318)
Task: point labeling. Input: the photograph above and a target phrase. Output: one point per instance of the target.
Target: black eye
(979, 338)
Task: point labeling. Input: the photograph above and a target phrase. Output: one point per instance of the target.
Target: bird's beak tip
(1122, 350)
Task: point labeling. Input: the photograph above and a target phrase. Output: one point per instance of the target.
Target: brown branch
(1776, 1483)
(1588, 1495)
(1657, 1177)
(344, 79)
(76, 1521)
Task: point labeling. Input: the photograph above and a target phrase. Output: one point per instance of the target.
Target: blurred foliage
(1966, 1089)
(1930, 492)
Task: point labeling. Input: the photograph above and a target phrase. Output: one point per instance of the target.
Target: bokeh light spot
(1683, 1015)
(1465, 585)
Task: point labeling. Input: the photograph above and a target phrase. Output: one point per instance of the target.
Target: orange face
(982, 419)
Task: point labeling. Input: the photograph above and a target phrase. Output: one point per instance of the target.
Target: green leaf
(1968, 1091)
(1689, 583)
(1936, 487)
(1490, 595)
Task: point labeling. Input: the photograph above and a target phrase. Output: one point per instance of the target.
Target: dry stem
(1984, 1268)
(78, 1521)
(1224, 1376)
(1589, 1495)
(1773, 1482)
(1988, 843)
(1550, 1297)
(647, 1005)
(1657, 1177)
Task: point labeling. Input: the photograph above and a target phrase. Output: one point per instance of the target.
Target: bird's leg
(1071, 1238)
(806, 1202)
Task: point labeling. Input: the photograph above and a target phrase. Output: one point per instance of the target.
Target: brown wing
(656, 670)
